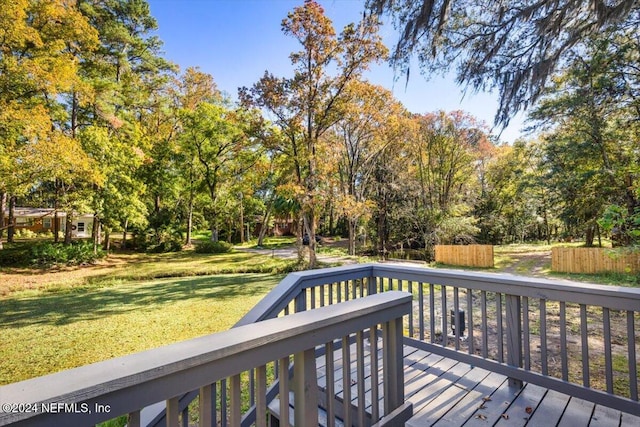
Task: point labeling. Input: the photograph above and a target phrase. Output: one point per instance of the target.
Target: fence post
(514, 335)
(305, 388)
(392, 365)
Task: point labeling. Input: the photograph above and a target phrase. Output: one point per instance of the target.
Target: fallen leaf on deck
(528, 409)
(481, 417)
(481, 406)
(505, 416)
(486, 399)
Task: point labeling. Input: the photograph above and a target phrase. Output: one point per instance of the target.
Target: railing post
(305, 388)
(514, 335)
(392, 365)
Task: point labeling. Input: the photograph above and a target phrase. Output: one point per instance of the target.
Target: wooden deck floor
(446, 393)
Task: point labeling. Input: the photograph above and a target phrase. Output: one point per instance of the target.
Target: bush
(171, 245)
(15, 255)
(25, 233)
(213, 248)
(47, 254)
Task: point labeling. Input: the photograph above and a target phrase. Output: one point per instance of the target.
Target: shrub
(47, 254)
(213, 247)
(15, 255)
(171, 245)
(25, 233)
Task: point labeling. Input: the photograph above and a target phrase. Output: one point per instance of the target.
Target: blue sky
(237, 40)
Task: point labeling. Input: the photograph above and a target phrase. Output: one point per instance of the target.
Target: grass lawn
(44, 332)
(125, 267)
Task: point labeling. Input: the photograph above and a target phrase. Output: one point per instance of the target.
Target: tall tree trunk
(95, 232)
(124, 234)
(265, 221)
(589, 236)
(68, 228)
(107, 239)
(241, 219)
(189, 221)
(3, 205)
(352, 236)
(12, 219)
(56, 225)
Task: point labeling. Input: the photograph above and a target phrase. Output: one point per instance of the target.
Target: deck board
(447, 393)
(577, 413)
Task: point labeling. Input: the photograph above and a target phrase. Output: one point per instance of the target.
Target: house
(42, 220)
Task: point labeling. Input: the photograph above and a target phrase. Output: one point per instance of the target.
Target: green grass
(45, 332)
(275, 242)
(122, 268)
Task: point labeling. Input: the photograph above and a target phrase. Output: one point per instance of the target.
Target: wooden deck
(447, 393)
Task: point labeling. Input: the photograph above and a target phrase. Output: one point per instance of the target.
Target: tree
(220, 138)
(514, 47)
(590, 116)
(444, 154)
(308, 104)
(371, 120)
(36, 65)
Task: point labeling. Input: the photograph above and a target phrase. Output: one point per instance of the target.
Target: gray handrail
(128, 383)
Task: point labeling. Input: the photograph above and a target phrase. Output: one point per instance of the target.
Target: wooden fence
(467, 255)
(594, 260)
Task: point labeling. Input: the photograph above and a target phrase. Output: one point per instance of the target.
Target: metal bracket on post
(514, 335)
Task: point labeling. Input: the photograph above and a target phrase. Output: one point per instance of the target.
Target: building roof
(39, 212)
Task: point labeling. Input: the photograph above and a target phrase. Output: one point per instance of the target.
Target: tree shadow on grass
(80, 304)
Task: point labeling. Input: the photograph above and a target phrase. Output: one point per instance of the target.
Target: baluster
(339, 286)
(330, 293)
(360, 376)
(585, 345)
(261, 396)
(223, 403)
(608, 364)
(470, 321)
(527, 333)
(456, 317)
(410, 290)
(283, 389)
(322, 292)
(206, 406)
(354, 289)
(374, 379)
(313, 297)
(236, 403)
(483, 310)
(563, 341)
(330, 384)
(514, 335)
(252, 387)
(499, 327)
(172, 412)
(631, 344)
(543, 336)
(421, 309)
(443, 302)
(432, 313)
(346, 381)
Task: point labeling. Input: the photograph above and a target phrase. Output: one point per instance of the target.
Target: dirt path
(535, 264)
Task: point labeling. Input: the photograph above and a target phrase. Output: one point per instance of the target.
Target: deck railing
(218, 367)
(578, 339)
